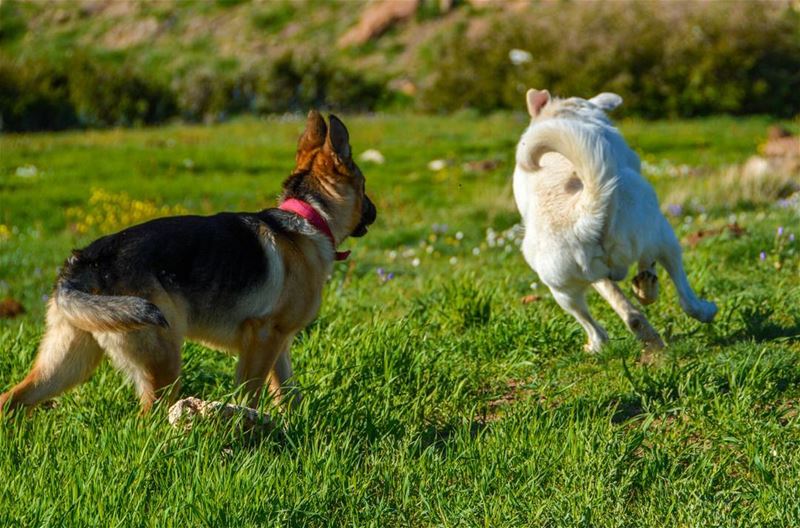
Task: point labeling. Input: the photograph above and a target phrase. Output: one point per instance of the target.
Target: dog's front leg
(261, 344)
(635, 320)
(574, 302)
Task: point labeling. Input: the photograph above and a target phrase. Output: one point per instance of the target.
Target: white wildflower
(519, 56)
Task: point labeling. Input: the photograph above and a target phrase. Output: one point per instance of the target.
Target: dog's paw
(593, 347)
(645, 287)
(705, 311)
(654, 344)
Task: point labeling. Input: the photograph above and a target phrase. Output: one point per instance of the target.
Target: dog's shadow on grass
(443, 437)
(206, 374)
(757, 325)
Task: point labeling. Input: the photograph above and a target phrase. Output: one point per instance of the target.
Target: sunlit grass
(433, 396)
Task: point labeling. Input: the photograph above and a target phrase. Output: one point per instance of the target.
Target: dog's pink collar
(307, 211)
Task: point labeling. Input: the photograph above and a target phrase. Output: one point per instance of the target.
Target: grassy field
(433, 396)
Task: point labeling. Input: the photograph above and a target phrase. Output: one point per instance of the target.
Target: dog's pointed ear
(314, 135)
(338, 140)
(606, 101)
(536, 99)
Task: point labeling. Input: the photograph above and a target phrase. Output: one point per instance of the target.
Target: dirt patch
(528, 299)
(10, 308)
(514, 390)
(131, 33)
(376, 19)
(698, 236)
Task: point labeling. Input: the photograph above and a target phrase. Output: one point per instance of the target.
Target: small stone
(185, 411)
(372, 156)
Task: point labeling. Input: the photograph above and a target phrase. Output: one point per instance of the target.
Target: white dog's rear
(589, 214)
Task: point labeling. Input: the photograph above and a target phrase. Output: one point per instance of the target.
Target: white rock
(27, 171)
(184, 411)
(437, 164)
(372, 156)
(519, 56)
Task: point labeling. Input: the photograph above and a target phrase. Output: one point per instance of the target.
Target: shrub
(296, 83)
(12, 24)
(203, 96)
(34, 96)
(108, 95)
(664, 58)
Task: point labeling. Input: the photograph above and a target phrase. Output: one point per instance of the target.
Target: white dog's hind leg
(700, 309)
(645, 283)
(574, 303)
(635, 320)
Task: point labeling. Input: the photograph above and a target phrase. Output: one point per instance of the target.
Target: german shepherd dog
(242, 282)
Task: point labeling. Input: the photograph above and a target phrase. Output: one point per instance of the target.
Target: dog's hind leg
(150, 357)
(645, 283)
(574, 302)
(636, 322)
(700, 309)
(67, 356)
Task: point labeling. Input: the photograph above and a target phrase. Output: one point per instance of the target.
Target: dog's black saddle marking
(211, 257)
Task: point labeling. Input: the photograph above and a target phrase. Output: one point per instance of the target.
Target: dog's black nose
(368, 216)
(371, 213)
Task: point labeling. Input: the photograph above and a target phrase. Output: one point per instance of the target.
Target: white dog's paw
(705, 311)
(596, 342)
(593, 347)
(645, 287)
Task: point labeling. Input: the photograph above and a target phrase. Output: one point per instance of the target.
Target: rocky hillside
(217, 57)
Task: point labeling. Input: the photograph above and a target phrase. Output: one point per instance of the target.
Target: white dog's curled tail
(591, 155)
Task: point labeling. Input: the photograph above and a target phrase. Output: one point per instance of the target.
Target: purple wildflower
(780, 231)
(674, 209)
(762, 256)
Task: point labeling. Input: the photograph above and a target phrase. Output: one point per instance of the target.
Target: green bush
(41, 95)
(34, 96)
(12, 24)
(296, 83)
(203, 96)
(107, 95)
(664, 59)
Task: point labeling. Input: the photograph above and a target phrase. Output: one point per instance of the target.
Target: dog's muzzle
(368, 215)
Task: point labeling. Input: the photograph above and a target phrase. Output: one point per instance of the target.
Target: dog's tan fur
(261, 328)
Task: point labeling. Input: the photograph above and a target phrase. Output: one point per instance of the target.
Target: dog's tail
(589, 153)
(116, 313)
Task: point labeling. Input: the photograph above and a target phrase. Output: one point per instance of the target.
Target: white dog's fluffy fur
(589, 214)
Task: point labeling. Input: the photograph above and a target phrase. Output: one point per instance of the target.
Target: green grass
(436, 398)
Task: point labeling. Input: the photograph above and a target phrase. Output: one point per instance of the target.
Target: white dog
(589, 214)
